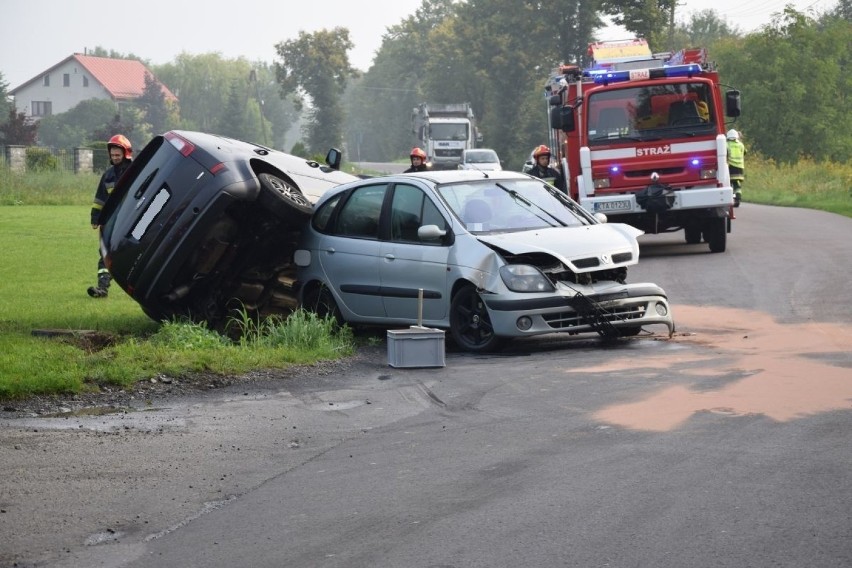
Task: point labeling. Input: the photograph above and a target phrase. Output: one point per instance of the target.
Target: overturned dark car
(201, 225)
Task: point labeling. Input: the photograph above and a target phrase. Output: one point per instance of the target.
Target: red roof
(123, 78)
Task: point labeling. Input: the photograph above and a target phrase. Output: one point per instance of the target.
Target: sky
(159, 30)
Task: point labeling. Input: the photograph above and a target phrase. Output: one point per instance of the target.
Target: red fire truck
(641, 138)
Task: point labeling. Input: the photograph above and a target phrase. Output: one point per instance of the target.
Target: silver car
(482, 159)
(488, 256)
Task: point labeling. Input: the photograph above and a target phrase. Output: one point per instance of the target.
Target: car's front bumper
(580, 310)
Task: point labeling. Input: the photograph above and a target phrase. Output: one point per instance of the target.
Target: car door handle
(390, 257)
(330, 250)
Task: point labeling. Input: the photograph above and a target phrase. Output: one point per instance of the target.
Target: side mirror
(733, 104)
(601, 217)
(566, 118)
(333, 158)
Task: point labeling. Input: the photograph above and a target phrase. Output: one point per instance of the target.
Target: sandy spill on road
(786, 370)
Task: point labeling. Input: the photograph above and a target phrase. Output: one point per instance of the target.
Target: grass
(807, 184)
(50, 257)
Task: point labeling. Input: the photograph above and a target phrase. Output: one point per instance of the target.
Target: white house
(79, 78)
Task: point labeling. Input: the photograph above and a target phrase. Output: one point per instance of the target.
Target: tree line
(495, 54)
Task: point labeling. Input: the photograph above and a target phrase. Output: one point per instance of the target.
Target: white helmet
(733, 134)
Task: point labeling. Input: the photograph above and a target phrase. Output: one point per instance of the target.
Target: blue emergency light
(604, 77)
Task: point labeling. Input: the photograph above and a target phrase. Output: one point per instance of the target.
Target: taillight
(220, 167)
(184, 146)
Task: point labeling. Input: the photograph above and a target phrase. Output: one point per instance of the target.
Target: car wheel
(716, 234)
(321, 302)
(282, 198)
(692, 233)
(470, 324)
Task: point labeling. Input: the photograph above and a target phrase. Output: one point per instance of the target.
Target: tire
(470, 324)
(692, 234)
(716, 233)
(283, 199)
(321, 302)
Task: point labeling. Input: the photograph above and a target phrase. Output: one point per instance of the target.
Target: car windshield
(480, 157)
(659, 112)
(511, 205)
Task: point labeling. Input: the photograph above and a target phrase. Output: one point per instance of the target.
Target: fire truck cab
(641, 139)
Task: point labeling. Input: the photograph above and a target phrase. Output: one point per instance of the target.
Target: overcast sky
(34, 36)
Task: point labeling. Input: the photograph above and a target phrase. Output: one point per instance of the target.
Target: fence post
(83, 160)
(16, 158)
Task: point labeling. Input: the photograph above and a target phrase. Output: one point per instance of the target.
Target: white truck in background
(443, 131)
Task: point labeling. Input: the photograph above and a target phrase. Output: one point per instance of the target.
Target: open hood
(570, 244)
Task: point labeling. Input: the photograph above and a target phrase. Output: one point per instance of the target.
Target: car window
(359, 216)
(510, 205)
(411, 209)
(323, 215)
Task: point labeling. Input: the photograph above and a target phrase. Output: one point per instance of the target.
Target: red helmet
(541, 151)
(418, 153)
(122, 142)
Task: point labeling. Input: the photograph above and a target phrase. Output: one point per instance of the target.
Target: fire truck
(641, 138)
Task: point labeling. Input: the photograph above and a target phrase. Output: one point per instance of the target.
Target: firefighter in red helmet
(120, 155)
(418, 161)
(542, 170)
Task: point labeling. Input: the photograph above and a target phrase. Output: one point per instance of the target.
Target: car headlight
(525, 278)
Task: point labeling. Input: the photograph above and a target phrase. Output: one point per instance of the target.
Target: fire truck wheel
(716, 233)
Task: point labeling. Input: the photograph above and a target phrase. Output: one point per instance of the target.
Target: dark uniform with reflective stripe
(105, 187)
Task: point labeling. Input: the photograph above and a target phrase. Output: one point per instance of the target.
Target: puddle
(91, 411)
(781, 371)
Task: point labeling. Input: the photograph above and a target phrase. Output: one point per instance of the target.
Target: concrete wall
(84, 160)
(16, 158)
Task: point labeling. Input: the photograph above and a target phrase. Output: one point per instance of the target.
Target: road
(729, 444)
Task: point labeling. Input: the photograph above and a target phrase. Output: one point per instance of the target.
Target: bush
(41, 160)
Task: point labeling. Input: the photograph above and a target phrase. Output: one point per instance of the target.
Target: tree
(77, 126)
(703, 28)
(5, 104)
(317, 66)
(19, 129)
(232, 121)
(649, 19)
(794, 78)
(159, 113)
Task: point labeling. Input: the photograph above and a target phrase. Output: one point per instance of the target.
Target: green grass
(50, 258)
(807, 184)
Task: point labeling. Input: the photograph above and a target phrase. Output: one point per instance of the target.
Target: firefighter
(542, 170)
(736, 164)
(418, 161)
(120, 156)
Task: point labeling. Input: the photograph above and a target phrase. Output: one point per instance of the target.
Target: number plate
(620, 205)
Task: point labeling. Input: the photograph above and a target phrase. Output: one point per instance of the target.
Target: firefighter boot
(738, 196)
(102, 289)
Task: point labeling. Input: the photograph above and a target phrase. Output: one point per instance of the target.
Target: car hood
(569, 244)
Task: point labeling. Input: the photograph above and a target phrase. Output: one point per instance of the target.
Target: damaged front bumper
(574, 309)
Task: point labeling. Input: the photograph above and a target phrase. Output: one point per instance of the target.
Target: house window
(66, 80)
(42, 108)
(85, 81)
(45, 81)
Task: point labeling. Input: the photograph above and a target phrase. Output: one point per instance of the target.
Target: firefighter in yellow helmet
(736, 164)
(418, 161)
(120, 156)
(542, 170)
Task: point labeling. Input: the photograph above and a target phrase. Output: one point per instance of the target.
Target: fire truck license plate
(621, 205)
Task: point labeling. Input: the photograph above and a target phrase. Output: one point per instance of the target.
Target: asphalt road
(729, 444)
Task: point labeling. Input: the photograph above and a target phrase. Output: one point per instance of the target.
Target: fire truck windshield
(661, 111)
